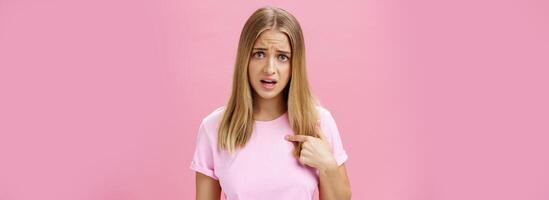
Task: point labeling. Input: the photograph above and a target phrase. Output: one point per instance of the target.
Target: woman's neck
(268, 109)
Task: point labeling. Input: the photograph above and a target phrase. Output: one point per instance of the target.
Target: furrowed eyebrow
(265, 49)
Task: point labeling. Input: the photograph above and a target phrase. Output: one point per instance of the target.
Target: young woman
(272, 140)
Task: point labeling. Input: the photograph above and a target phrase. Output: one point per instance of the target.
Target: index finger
(297, 138)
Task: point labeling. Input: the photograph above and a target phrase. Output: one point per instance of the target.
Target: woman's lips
(268, 84)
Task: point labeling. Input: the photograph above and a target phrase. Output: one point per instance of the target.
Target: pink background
(434, 99)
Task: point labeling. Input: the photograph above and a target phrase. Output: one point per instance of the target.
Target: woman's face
(269, 69)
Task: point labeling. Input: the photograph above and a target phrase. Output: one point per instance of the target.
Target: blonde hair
(237, 124)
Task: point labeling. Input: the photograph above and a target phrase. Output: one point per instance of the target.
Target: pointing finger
(297, 138)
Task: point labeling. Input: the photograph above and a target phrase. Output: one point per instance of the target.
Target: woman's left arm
(315, 152)
(334, 183)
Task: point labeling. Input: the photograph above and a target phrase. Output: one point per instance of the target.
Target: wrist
(329, 166)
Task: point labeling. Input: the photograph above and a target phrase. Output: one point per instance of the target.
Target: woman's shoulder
(323, 112)
(325, 116)
(214, 117)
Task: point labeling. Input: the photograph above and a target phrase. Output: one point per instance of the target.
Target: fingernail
(286, 137)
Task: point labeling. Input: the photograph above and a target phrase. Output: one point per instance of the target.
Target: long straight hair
(237, 124)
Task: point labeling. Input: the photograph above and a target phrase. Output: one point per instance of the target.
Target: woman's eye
(259, 54)
(283, 58)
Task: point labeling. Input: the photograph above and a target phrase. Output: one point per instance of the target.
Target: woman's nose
(271, 66)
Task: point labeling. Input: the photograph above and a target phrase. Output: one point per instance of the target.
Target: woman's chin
(268, 95)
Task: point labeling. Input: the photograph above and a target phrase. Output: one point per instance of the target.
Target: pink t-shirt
(264, 168)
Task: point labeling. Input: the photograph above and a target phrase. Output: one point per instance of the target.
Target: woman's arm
(207, 188)
(334, 183)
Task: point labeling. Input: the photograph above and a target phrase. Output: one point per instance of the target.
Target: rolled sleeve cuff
(341, 158)
(208, 172)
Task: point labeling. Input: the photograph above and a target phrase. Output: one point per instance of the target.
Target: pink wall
(434, 99)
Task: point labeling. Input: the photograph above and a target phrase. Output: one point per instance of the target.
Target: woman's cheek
(287, 71)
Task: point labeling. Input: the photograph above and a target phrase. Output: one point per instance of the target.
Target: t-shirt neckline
(274, 121)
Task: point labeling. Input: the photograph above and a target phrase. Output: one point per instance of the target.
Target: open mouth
(268, 84)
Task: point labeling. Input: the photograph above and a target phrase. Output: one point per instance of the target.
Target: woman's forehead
(273, 38)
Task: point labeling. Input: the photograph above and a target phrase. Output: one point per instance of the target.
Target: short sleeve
(203, 158)
(329, 127)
